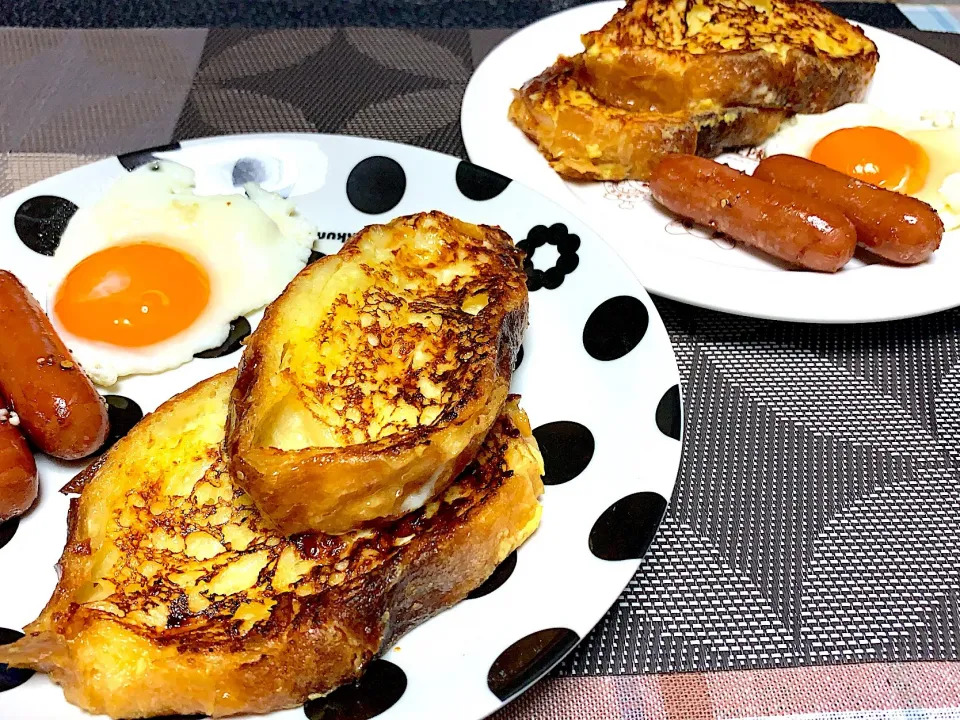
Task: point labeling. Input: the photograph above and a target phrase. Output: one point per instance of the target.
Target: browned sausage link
(18, 471)
(59, 409)
(782, 222)
(894, 226)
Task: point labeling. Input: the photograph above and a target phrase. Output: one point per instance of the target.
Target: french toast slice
(584, 139)
(177, 596)
(374, 377)
(672, 55)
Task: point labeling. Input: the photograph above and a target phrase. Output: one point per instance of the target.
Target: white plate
(624, 411)
(688, 266)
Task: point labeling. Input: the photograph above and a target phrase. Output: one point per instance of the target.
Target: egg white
(933, 130)
(250, 246)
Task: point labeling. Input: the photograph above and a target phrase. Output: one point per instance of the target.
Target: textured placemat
(816, 515)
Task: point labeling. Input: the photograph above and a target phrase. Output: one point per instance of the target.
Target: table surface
(810, 550)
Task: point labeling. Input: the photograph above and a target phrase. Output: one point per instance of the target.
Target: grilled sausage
(18, 471)
(894, 226)
(789, 225)
(59, 409)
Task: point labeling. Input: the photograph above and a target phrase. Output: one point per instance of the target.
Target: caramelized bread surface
(585, 139)
(177, 596)
(373, 379)
(671, 55)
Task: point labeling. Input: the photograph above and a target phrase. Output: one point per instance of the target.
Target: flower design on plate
(567, 260)
(626, 193)
(688, 227)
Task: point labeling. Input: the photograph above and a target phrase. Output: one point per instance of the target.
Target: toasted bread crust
(136, 626)
(585, 139)
(371, 382)
(669, 55)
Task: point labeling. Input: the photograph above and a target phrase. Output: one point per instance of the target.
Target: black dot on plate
(669, 413)
(567, 448)
(615, 327)
(552, 278)
(315, 255)
(377, 690)
(478, 183)
(40, 222)
(11, 677)
(516, 363)
(239, 331)
(568, 263)
(123, 413)
(248, 170)
(534, 280)
(497, 578)
(376, 185)
(8, 529)
(132, 160)
(529, 659)
(625, 529)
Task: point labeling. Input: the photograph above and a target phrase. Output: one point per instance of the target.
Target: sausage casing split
(59, 409)
(792, 226)
(894, 226)
(18, 471)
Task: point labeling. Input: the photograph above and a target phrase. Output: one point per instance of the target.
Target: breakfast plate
(596, 375)
(688, 263)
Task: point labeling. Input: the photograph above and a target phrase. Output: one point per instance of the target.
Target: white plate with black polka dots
(597, 377)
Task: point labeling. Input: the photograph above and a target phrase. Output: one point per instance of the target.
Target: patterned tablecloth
(809, 556)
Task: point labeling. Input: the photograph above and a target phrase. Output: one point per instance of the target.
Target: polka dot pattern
(376, 185)
(625, 529)
(478, 183)
(360, 184)
(615, 328)
(377, 690)
(239, 331)
(529, 659)
(40, 221)
(567, 448)
(497, 578)
(11, 677)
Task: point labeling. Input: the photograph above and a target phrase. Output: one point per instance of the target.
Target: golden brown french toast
(585, 139)
(672, 55)
(373, 379)
(177, 596)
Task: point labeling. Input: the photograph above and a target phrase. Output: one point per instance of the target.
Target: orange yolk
(132, 295)
(874, 155)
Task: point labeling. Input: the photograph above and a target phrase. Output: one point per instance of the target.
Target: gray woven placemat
(816, 514)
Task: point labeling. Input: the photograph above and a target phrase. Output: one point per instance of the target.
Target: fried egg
(153, 273)
(918, 157)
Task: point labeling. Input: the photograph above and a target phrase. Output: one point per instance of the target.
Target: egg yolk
(132, 295)
(874, 155)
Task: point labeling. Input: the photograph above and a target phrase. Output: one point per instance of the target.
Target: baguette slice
(585, 139)
(674, 55)
(177, 596)
(373, 379)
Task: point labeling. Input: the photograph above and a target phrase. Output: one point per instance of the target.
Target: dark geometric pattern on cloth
(816, 518)
(388, 83)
